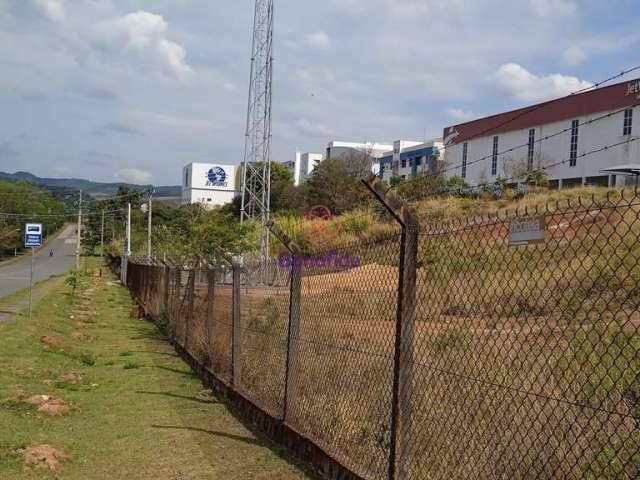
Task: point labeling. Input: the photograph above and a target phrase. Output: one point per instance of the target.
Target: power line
(540, 140)
(484, 185)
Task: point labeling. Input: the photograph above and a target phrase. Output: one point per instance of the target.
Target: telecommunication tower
(256, 169)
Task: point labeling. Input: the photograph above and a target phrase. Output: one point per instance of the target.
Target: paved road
(15, 275)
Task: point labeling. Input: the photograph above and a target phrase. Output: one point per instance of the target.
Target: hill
(95, 189)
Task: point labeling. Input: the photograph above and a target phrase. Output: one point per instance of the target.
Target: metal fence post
(236, 337)
(191, 290)
(295, 304)
(166, 287)
(208, 326)
(401, 408)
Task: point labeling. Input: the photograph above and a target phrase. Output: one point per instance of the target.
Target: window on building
(208, 199)
(573, 153)
(494, 157)
(403, 163)
(418, 161)
(404, 177)
(465, 150)
(186, 178)
(628, 122)
(531, 149)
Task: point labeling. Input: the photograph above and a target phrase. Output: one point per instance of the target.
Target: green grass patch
(145, 423)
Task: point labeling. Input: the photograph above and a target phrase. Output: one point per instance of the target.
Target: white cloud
(144, 33)
(460, 114)
(133, 175)
(53, 9)
(319, 40)
(521, 84)
(574, 56)
(598, 45)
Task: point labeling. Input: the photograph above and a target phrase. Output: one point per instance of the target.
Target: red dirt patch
(51, 341)
(43, 456)
(54, 408)
(47, 404)
(78, 336)
(38, 399)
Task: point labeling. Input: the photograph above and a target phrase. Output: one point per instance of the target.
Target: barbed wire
(515, 178)
(527, 144)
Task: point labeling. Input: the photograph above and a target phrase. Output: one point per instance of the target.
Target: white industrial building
(337, 150)
(558, 136)
(210, 184)
(408, 158)
(303, 166)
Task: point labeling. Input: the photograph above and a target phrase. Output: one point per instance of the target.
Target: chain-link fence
(494, 348)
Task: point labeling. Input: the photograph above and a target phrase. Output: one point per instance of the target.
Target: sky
(126, 90)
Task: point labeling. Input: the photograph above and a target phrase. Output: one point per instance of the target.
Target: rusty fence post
(191, 296)
(166, 277)
(295, 304)
(401, 408)
(236, 321)
(209, 331)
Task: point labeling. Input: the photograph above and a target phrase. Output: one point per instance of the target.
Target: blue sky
(133, 90)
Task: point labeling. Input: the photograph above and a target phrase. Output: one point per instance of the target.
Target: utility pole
(78, 232)
(102, 234)
(128, 252)
(150, 212)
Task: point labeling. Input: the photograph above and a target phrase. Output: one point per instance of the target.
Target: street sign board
(528, 230)
(33, 235)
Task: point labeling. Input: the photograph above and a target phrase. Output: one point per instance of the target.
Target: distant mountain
(95, 189)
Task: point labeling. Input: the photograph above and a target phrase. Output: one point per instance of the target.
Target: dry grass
(526, 358)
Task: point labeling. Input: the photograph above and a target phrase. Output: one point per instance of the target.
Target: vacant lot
(108, 398)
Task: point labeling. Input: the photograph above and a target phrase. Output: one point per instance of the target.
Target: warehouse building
(210, 184)
(408, 159)
(560, 136)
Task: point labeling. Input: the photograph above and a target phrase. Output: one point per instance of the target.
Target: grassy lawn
(135, 409)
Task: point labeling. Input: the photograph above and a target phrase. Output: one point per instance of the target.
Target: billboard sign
(33, 235)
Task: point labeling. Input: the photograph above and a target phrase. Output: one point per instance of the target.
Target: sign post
(32, 239)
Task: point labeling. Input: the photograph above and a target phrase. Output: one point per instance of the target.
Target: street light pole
(78, 232)
(102, 234)
(128, 229)
(149, 224)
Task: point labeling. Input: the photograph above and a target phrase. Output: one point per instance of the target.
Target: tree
(421, 186)
(26, 203)
(281, 181)
(331, 185)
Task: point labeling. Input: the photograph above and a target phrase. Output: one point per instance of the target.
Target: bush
(356, 223)
(421, 186)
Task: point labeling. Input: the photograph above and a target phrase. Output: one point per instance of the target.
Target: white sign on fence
(525, 231)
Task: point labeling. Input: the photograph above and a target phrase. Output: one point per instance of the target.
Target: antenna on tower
(256, 168)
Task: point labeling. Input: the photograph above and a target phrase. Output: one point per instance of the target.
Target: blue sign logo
(216, 177)
(33, 240)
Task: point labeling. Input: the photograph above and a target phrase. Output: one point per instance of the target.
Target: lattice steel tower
(256, 171)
